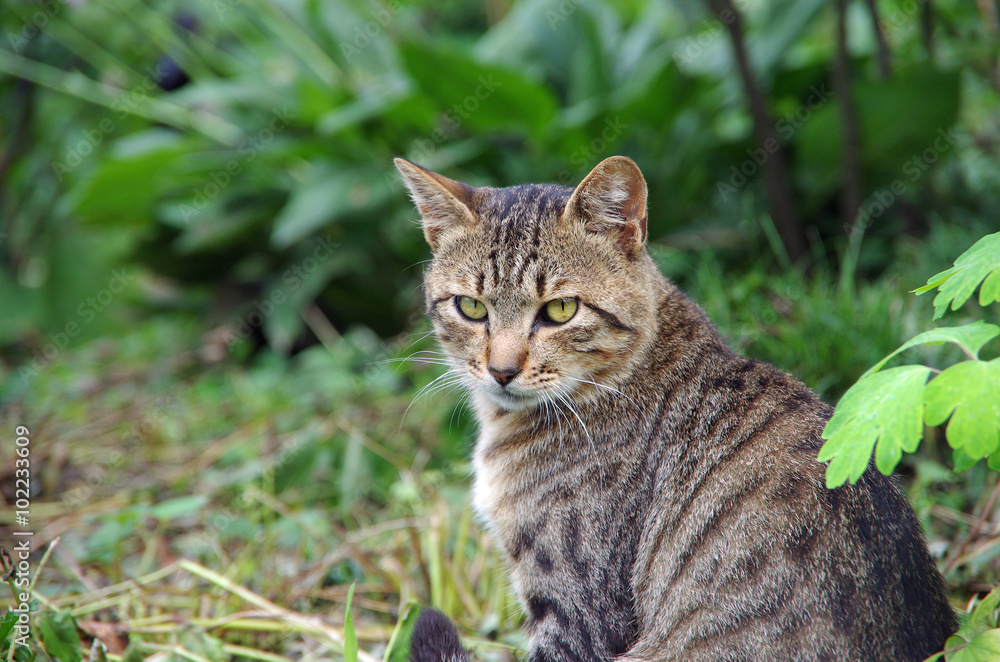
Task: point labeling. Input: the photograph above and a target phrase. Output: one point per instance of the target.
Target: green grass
(198, 506)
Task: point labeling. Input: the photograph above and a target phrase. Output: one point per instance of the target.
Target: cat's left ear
(611, 200)
(444, 203)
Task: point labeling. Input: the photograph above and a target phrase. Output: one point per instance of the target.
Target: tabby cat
(657, 496)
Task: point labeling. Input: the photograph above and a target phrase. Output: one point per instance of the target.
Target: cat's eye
(474, 310)
(560, 311)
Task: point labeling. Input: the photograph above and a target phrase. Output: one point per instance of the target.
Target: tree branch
(850, 200)
(776, 178)
(884, 56)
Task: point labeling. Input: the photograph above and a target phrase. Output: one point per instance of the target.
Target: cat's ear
(444, 203)
(611, 200)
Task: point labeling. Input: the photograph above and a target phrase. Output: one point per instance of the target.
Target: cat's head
(539, 293)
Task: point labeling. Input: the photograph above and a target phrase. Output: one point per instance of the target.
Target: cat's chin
(511, 401)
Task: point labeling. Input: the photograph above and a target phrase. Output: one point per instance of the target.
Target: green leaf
(985, 647)
(59, 636)
(883, 411)
(986, 606)
(968, 393)
(475, 95)
(398, 649)
(6, 625)
(891, 151)
(123, 189)
(961, 460)
(332, 192)
(178, 507)
(970, 337)
(956, 285)
(350, 637)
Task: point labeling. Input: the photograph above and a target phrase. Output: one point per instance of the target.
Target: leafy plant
(220, 145)
(886, 410)
(978, 640)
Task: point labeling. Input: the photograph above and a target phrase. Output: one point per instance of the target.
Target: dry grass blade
(306, 624)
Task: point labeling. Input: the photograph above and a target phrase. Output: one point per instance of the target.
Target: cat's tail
(435, 639)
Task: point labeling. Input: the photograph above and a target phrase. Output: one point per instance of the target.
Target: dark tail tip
(435, 639)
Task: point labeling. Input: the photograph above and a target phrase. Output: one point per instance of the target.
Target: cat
(656, 496)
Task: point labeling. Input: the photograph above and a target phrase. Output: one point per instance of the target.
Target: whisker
(604, 386)
(448, 379)
(569, 405)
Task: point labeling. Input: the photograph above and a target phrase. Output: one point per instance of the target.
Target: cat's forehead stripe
(516, 215)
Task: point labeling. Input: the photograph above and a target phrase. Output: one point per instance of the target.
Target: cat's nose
(504, 376)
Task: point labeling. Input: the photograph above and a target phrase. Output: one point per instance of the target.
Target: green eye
(560, 310)
(471, 308)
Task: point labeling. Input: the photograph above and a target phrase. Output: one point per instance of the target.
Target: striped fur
(656, 495)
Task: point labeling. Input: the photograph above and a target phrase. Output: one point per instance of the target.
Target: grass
(195, 506)
(223, 509)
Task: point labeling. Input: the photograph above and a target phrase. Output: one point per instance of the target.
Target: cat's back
(746, 550)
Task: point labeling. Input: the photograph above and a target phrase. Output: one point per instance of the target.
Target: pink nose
(504, 376)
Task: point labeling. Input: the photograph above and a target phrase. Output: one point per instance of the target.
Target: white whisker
(603, 386)
(593, 449)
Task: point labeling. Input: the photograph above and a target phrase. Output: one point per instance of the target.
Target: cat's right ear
(444, 203)
(611, 201)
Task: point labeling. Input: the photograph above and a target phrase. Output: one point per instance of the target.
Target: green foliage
(350, 638)
(58, 632)
(886, 409)
(967, 393)
(978, 640)
(883, 413)
(282, 139)
(264, 185)
(398, 648)
(977, 265)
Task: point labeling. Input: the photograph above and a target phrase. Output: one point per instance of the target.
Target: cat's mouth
(510, 400)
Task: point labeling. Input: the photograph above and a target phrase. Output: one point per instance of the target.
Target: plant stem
(776, 177)
(850, 200)
(974, 531)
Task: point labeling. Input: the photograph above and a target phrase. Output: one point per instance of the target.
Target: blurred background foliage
(210, 145)
(206, 189)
